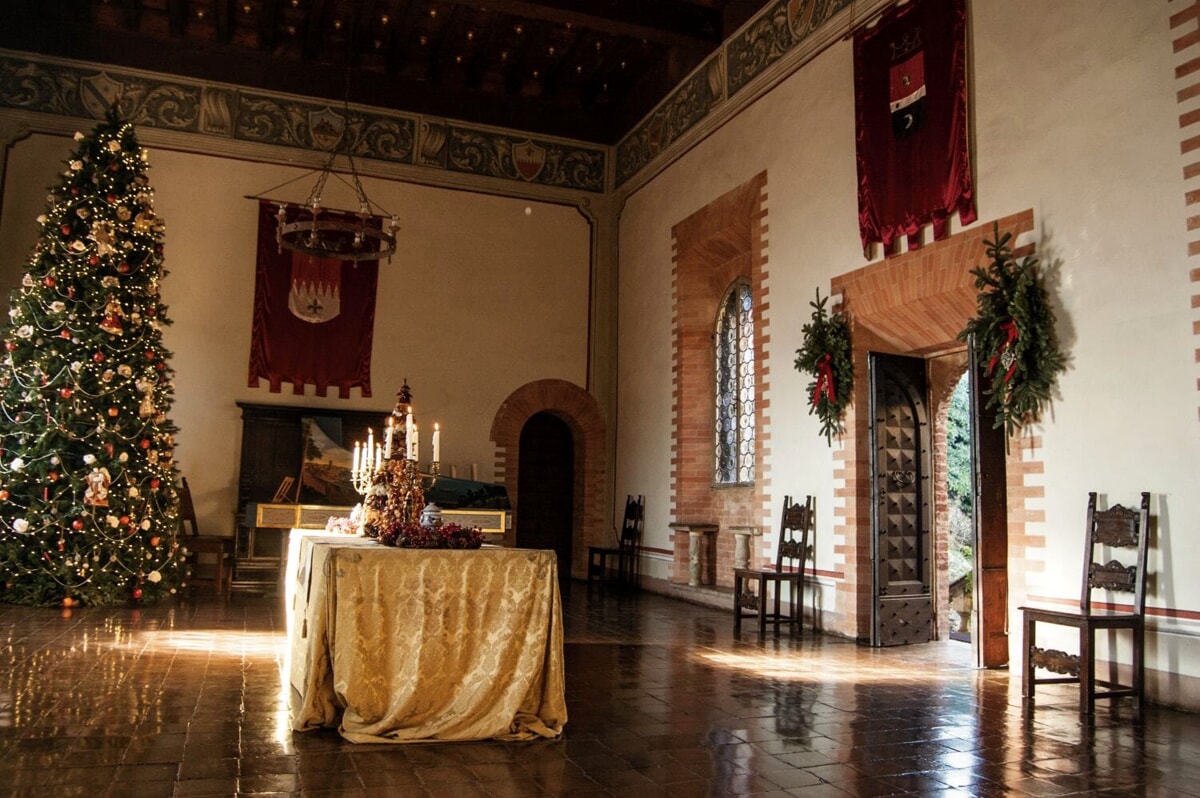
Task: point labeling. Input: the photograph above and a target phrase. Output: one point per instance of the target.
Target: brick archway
(581, 412)
(915, 304)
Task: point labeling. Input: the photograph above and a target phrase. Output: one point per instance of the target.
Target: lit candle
(368, 452)
(416, 446)
(387, 450)
(437, 443)
(378, 457)
(354, 467)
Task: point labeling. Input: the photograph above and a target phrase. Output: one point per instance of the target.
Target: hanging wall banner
(910, 95)
(313, 317)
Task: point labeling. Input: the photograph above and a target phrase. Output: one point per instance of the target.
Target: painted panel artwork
(325, 473)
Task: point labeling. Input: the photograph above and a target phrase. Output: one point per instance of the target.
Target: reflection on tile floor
(186, 700)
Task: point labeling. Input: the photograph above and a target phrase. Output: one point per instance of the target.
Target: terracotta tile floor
(185, 700)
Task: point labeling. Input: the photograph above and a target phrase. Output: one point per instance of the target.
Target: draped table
(403, 645)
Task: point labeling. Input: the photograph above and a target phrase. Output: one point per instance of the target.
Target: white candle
(368, 452)
(387, 450)
(378, 457)
(437, 443)
(416, 446)
(354, 467)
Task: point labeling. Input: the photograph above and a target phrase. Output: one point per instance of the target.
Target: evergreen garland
(1014, 335)
(827, 356)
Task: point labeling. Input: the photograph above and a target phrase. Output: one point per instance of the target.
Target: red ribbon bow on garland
(824, 381)
(1010, 333)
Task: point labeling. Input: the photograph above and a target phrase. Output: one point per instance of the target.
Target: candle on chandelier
(437, 443)
(387, 449)
(415, 454)
(368, 452)
(354, 461)
(378, 457)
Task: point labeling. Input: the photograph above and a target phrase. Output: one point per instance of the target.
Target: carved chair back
(187, 510)
(631, 524)
(794, 527)
(1120, 535)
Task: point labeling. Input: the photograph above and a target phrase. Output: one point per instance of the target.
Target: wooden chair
(1115, 532)
(626, 550)
(794, 527)
(221, 548)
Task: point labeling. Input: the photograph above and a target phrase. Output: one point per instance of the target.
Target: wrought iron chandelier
(343, 235)
(328, 234)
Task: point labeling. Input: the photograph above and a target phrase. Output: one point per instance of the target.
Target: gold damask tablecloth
(405, 645)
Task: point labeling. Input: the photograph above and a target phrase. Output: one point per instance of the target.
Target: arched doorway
(590, 504)
(545, 484)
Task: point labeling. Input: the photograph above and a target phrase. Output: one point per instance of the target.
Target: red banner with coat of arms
(314, 318)
(910, 94)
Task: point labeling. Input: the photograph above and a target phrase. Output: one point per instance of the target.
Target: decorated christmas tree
(88, 508)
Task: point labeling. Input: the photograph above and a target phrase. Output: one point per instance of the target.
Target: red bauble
(144, 443)
(77, 524)
(161, 366)
(52, 476)
(123, 267)
(64, 333)
(137, 593)
(94, 260)
(149, 354)
(74, 191)
(111, 199)
(124, 519)
(3, 495)
(65, 229)
(62, 546)
(155, 541)
(68, 602)
(112, 411)
(49, 281)
(98, 357)
(65, 393)
(154, 483)
(10, 345)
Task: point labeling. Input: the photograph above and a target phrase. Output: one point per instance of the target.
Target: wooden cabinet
(272, 456)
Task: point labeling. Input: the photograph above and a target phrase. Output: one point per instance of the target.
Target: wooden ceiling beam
(177, 14)
(669, 22)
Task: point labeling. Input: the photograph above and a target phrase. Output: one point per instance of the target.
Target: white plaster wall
(1074, 116)
(481, 298)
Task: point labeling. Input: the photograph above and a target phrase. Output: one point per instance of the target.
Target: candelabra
(388, 475)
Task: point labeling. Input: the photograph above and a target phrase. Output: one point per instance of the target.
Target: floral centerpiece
(418, 536)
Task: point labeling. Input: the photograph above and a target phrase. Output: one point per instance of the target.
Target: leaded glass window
(735, 386)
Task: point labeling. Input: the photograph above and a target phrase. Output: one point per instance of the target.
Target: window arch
(735, 386)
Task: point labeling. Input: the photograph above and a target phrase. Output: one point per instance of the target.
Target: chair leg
(737, 606)
(796, 609)
(762, 607)
(1087, 671)
(1139, 688)
(1028, 641)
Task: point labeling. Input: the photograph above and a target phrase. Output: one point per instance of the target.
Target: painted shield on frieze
(98, 93)
(529, 159)
(326, 128)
